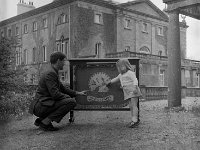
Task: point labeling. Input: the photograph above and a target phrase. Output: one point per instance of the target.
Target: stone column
(174, 60)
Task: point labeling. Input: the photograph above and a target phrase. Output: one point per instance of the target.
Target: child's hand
(108, 84)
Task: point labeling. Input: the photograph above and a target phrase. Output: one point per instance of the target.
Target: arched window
(145, 50)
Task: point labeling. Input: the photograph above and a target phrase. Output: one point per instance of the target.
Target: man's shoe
(37, 122)
(48, 127)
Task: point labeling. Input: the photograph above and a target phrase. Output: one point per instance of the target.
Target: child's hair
(123, 64)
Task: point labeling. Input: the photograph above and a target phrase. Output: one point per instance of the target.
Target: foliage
(11, 78)
(14, 104)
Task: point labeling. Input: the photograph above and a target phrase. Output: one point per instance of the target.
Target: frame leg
(71, 117)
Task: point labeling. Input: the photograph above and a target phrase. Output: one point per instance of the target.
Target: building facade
(98, 29)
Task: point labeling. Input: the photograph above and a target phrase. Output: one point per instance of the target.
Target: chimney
(23, 7)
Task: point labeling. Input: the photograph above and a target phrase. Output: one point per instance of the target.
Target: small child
(130, 87)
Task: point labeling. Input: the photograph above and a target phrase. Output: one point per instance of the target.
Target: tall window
(97, 49)
(44, 22)
(98, 18)
(127, 23)
(34, 26)
(62, 48)
(17, 31)
(2, 34)
(58, 47)
(44, 53)
(162, 77)
(25, 56)
(25, 28)
(160, 30)
(144, 26)
(9, 32)
(160, 53)
(34, 55)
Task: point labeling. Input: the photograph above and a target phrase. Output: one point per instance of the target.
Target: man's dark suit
(52, 99)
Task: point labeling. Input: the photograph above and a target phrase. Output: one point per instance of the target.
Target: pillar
(174, 60)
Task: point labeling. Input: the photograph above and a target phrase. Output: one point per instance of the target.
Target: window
(160, 30)
(25, 28)
(98, 18)
(18, 56)
(62, 47)
(127, 49)
(160, 53)
(34, 55)
(44, 53)
(33, 79)
(25, 57)
(2, 34)
(187, 78)
(195, 79)
(97, 49)
(144, 26)
(144, 50)
(17, 31)
(127, 23)
(44, 22)
(63, 18)
(34, 26)
(162, 77)
(9, 32)
(58, 47)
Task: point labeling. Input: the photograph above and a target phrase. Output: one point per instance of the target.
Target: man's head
(57, 59)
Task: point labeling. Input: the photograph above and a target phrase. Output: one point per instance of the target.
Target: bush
(14, 104)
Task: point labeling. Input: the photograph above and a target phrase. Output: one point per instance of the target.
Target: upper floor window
(144, 27)
(160, 30)
(25, 28)
(127, 24)
(97, 49)
(145, 50)
(25, 56)
(9, 32)
(34, 55)
(62, 48)
(44, 22)
(2, 34)
(17, 31)
(98, 18)
(127, 49)
(62, 18)
(34, 26)
(160, 53)
(58, 47)
(44, 53)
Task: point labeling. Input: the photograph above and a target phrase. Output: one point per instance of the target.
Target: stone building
(99, 29)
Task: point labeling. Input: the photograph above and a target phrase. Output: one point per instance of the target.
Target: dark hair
(55, 56)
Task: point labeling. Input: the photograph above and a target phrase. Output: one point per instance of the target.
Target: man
(52, 100)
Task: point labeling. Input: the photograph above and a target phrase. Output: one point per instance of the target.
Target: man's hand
(84, 93)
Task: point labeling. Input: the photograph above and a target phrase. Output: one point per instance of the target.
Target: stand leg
(71, 117)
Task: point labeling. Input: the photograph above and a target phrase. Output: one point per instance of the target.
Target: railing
(160, 93)
(134, 54)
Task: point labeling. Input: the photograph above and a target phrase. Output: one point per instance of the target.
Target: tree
(11, 78)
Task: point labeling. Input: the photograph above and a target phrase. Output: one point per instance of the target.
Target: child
(130, 87)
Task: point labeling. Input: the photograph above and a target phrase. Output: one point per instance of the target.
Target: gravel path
(107, 130)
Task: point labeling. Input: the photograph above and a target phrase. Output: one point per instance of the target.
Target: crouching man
(52, 100)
